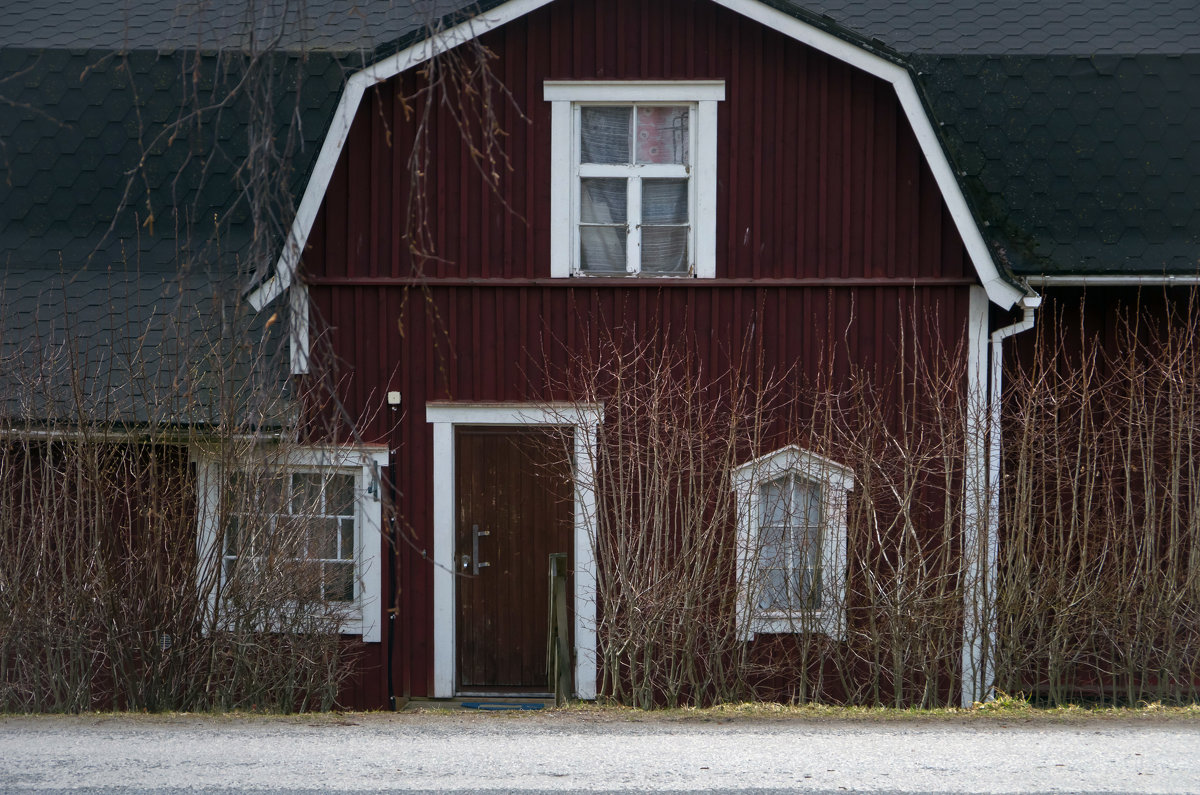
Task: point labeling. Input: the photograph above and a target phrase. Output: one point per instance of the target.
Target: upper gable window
(633, 178)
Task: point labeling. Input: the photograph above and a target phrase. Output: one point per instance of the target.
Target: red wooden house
(720, 170)
(706, 167)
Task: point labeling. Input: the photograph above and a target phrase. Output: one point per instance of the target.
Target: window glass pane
(231, 536)
(290, 538)
(347, 543)
(270, 497)
(604, 134)
(806, 502)
(812, 504)
(339, 582)
(773, 590)
(339, 496)
(808, 546)
(775, 510)
(664, 249)
(603, 201)
(305, 578)
(602, 249)
(253, 536)
(770, 546)
(664, 201)
(662, 135)
(306, 493)
(325, 538)
(808, 588)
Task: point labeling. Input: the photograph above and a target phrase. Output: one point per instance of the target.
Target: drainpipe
(978, 679)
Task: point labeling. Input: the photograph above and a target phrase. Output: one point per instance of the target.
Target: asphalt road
(573, 752)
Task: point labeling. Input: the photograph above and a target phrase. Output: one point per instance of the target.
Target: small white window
(311, 516)
(791, 508)
(634, 178)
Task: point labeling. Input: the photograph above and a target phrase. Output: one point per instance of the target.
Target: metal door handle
(475, 534)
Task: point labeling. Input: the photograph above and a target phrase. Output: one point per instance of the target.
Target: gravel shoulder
(598, 750)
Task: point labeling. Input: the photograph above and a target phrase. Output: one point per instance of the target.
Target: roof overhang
(999, 290)
(1116, 280)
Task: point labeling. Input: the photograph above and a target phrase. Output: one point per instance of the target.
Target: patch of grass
(1003, 707)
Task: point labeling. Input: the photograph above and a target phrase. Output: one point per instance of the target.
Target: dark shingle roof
(1075, 126)
(1019, 27)
(137, 349)
(1077, 164)
(123, 180)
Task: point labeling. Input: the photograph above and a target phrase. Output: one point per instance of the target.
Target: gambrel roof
(1074, 126)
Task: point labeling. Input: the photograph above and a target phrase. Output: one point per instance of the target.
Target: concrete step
(478, 703)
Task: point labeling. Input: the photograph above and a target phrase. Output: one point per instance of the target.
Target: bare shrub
(674, 604)
(1100, 564)
(671, 436)
(108, 393)
(107, 599)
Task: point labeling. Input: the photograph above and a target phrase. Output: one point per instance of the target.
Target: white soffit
(998, 290)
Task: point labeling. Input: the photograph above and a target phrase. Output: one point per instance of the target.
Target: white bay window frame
(566, 99)
(362, 616)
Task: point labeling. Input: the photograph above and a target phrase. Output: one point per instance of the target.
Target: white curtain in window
(603, 229)
(789, 545)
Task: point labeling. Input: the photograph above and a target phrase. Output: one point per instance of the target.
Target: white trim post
(443, 559)
(975, 499)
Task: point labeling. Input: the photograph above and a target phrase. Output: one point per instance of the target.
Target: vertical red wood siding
(829, 224)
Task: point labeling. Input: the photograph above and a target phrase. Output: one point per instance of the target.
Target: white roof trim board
(1114, 280)
(999, 291)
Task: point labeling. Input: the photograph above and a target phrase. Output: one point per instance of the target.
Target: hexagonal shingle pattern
(1113, 145)
(1012, 27)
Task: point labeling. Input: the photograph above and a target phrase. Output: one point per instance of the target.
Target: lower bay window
(293, 533)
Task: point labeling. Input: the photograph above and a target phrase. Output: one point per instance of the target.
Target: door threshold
(537, 695)
(489, 703)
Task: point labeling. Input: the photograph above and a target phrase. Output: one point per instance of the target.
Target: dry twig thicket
(671, 626)
(107, 598)
(1100, 589)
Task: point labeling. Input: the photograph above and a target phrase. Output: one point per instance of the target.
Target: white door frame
(585, 420)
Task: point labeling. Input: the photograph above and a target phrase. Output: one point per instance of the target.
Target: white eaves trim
(998, 290)
(1114, 280)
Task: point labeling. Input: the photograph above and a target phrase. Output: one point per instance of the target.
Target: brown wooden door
(513, 488)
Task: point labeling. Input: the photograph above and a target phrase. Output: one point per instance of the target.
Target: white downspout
(978, 676)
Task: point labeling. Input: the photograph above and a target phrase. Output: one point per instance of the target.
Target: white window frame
(566, 98)
(363, 615)
(834, 482)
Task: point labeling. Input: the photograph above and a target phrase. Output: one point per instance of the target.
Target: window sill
(350, 623)
(809, 622)
(616, 277)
